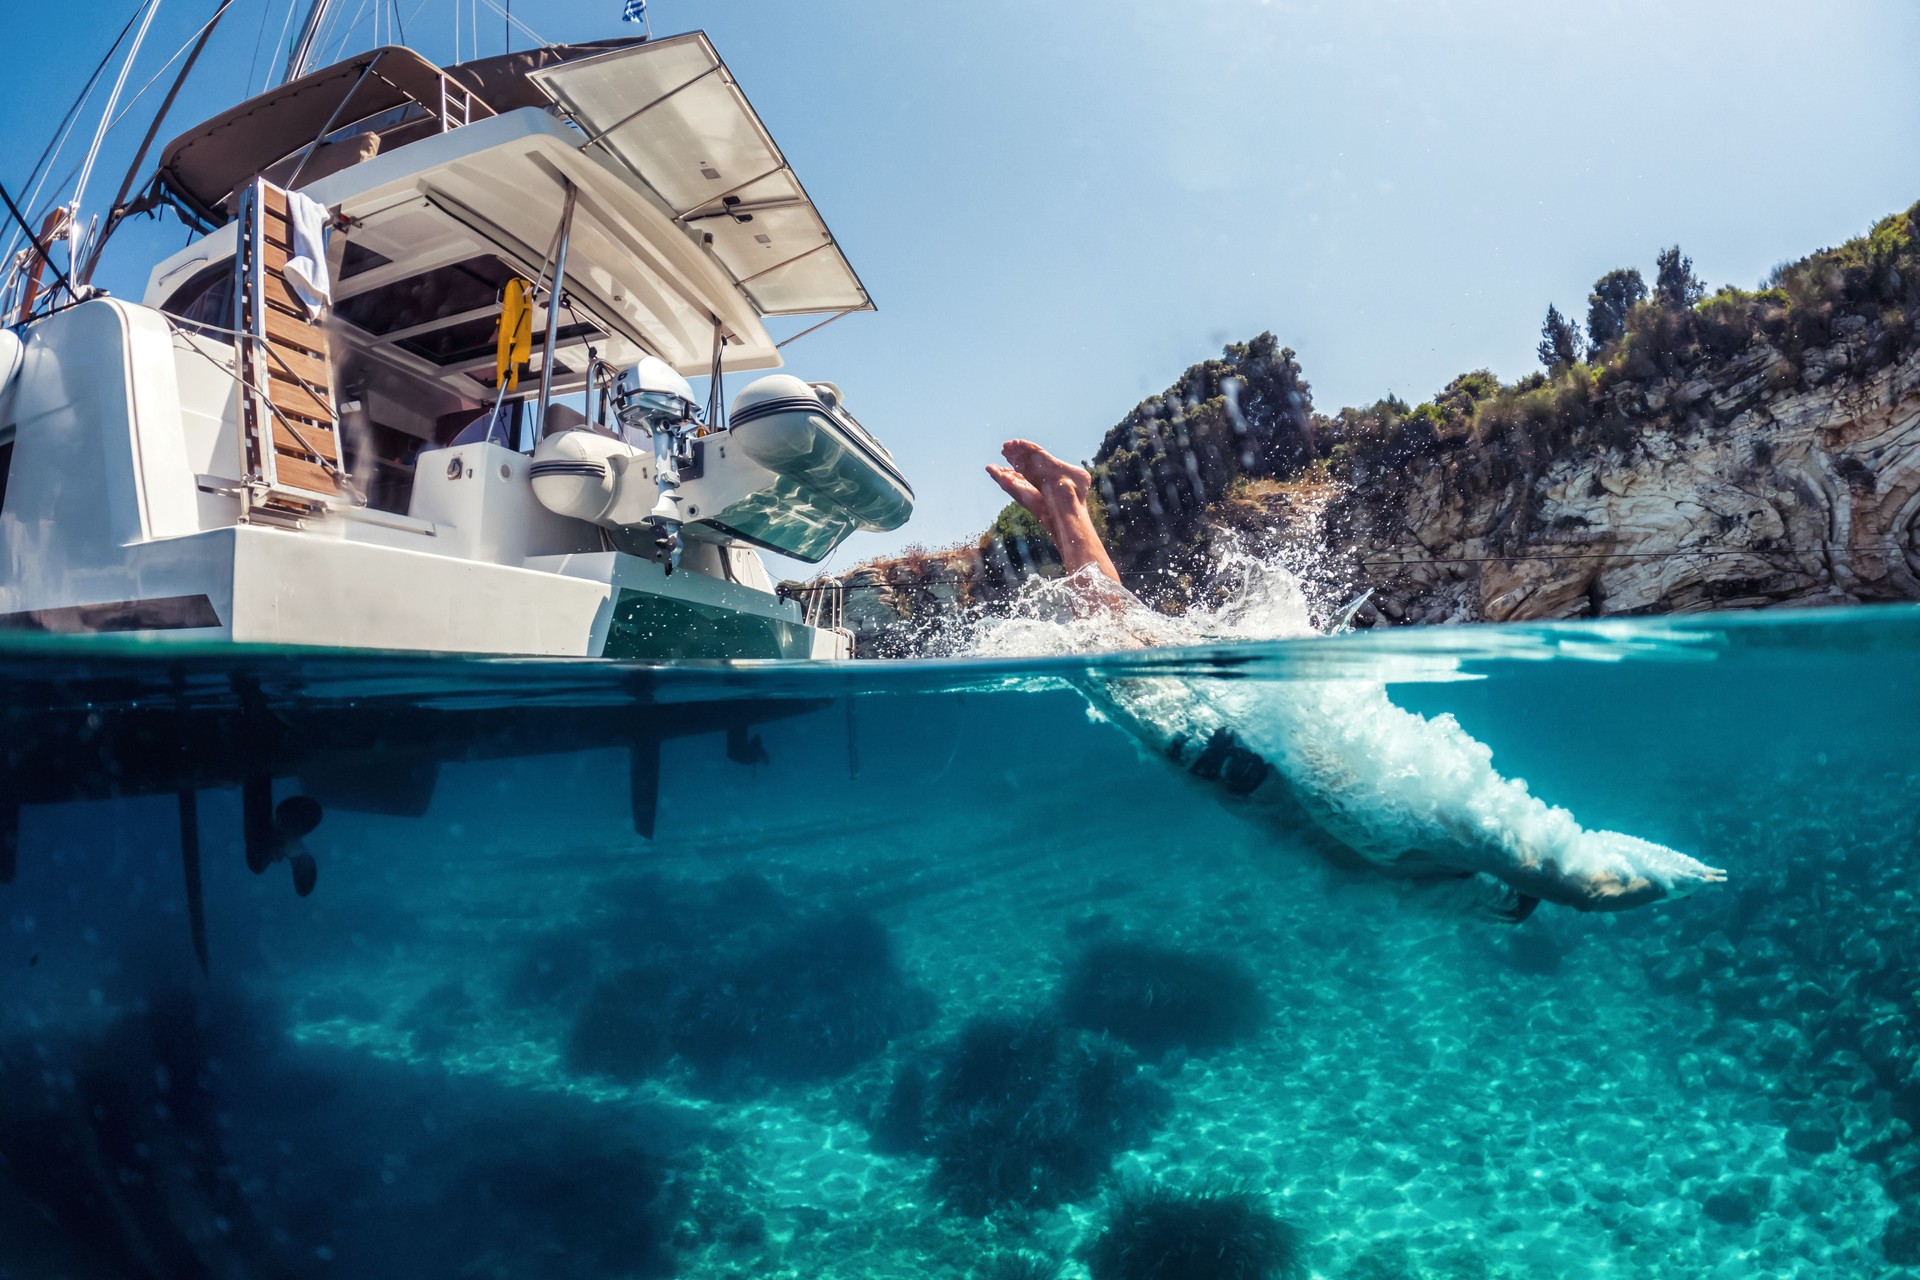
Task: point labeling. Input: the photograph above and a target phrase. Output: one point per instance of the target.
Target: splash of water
(1416, 797)
(1253, 592)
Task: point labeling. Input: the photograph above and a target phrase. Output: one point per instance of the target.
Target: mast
(302, 55)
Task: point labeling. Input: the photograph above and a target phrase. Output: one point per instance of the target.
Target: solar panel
(670, 111)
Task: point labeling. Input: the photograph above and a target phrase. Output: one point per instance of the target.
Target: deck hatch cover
(670, 111)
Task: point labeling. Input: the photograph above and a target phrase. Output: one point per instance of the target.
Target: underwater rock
(118, 1141)
(555, 968)
(1812, 1138)
(1741, 1203)
(1900, 1242)
(1386, 1260)
(1023, 1112)
(898, 1124)
(1020, 1266)
(1533, 952)
(439, 1017)
(1680, 971)
(571, 1215)
(191, 1138)
(738, 980)
(623, 1031)
(1159, 1234)
(1159, 999)
(813, 1005)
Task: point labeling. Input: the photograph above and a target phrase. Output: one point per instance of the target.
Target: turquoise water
(926, 970)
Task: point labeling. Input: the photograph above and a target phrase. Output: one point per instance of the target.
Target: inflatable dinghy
(793, 472)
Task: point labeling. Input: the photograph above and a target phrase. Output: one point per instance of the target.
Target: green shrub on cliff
(1162, 467)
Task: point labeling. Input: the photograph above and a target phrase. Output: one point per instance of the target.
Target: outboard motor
(793, 471)
(651, 397)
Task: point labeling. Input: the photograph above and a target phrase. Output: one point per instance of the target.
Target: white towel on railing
(306, 270)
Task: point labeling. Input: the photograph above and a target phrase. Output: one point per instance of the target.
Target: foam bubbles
(1417, 795)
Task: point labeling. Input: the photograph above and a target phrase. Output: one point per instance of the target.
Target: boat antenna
(303, 47)
(119, 209)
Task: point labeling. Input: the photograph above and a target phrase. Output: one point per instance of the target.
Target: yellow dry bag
(516, 334)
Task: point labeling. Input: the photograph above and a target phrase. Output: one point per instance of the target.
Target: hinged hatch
(670, 111)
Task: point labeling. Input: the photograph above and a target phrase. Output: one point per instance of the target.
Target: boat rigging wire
(508, 15)
(300, 57)
(185, 45)
(259, 38)
(117, 210)
(37, 177)
(285, 24)
(334, 29)
(106, 114)
(38, 248)
(179, 328)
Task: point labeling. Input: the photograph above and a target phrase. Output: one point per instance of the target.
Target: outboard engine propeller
(651, 397)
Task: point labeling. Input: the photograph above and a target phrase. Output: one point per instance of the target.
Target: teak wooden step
(285, 362)
(287, 331)
(289, 396)
(300, 445)
(300, 474)
(289, 429)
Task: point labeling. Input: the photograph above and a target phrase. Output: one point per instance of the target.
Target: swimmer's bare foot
(1046, 473)
(1055, 493)
(1021, 490)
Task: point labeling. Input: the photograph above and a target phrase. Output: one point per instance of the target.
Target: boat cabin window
(358, 258)
(460, 287)
(6, 465)
(206, 298)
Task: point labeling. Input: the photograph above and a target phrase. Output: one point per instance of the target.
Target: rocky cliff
(1735, 494)
(1733, 451)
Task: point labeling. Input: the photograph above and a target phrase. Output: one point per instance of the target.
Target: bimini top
(671, 113)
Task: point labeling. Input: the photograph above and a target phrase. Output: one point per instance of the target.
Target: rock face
(1746, 450)
(1746, 486)
(1734, 497)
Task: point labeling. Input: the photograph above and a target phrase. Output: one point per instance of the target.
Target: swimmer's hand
(1612, 871)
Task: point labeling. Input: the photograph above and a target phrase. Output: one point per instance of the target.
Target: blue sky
(1059, 206)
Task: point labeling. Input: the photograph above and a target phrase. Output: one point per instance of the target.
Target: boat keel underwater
(365, 756)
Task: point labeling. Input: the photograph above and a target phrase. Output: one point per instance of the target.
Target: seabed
(510, 1038)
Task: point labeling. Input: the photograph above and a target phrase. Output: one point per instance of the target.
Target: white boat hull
(118, 519)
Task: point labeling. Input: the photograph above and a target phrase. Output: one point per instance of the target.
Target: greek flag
(636, 11)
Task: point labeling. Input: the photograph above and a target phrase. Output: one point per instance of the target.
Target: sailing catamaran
(335, 417)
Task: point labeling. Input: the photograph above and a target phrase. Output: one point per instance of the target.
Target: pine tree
(1614, 295)
(1559, 341)
(1675, 287)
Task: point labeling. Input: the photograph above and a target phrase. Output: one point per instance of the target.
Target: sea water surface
(926, 970)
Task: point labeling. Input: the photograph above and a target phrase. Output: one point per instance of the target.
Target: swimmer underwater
(1399, 793)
